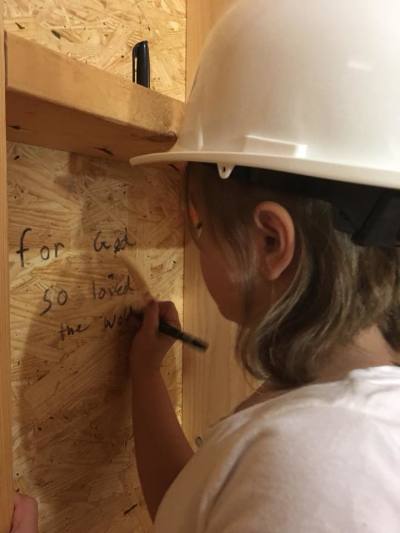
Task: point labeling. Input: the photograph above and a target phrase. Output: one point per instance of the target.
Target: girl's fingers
(156, 311)
(169, 313)
(136, 324)
(150, 320)
(149, 346)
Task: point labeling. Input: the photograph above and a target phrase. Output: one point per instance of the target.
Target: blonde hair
(338, 290)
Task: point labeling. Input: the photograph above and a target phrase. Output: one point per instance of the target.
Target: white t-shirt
(322, 458)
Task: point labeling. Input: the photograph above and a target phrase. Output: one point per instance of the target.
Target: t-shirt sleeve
(308, 474)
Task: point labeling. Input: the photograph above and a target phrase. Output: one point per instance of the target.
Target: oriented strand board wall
(214, 384)
(71, 220)
(102, 33)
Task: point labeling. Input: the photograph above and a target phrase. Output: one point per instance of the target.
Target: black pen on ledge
(141, 64)
(176, 333)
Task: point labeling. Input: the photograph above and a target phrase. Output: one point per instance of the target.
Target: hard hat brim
(320, 169)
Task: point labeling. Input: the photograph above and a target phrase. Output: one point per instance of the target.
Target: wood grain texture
(58, 107)
(72, 436)
(102, 33)
(201, 17)
(213, 383)
(5, 360)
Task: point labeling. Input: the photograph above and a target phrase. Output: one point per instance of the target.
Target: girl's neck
(368, 349)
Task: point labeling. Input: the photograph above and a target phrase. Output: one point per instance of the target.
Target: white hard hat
(308, 88)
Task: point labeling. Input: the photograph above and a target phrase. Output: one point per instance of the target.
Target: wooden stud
(213, 384)
(201, 16)
(70, 106)
(6, 495)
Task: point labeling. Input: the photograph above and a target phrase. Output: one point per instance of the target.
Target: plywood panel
(213, 384)
(70, 297)
(5, 361)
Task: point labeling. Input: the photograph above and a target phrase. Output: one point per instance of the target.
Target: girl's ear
(275, 239)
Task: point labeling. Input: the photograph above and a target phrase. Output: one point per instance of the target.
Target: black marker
(141, 64)
(176, 333)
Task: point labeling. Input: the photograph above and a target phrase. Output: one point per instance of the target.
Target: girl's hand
(149, 346)
(25, 518)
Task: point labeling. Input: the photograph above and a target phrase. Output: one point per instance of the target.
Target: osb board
(73, 446)
(103, 32)
(73, 442)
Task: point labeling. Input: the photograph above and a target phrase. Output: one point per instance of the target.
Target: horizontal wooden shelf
(64, 104)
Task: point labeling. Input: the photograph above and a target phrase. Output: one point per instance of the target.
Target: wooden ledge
(64, 104)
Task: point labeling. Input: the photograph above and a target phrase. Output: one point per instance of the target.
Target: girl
(315, 448)
(296, 104)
